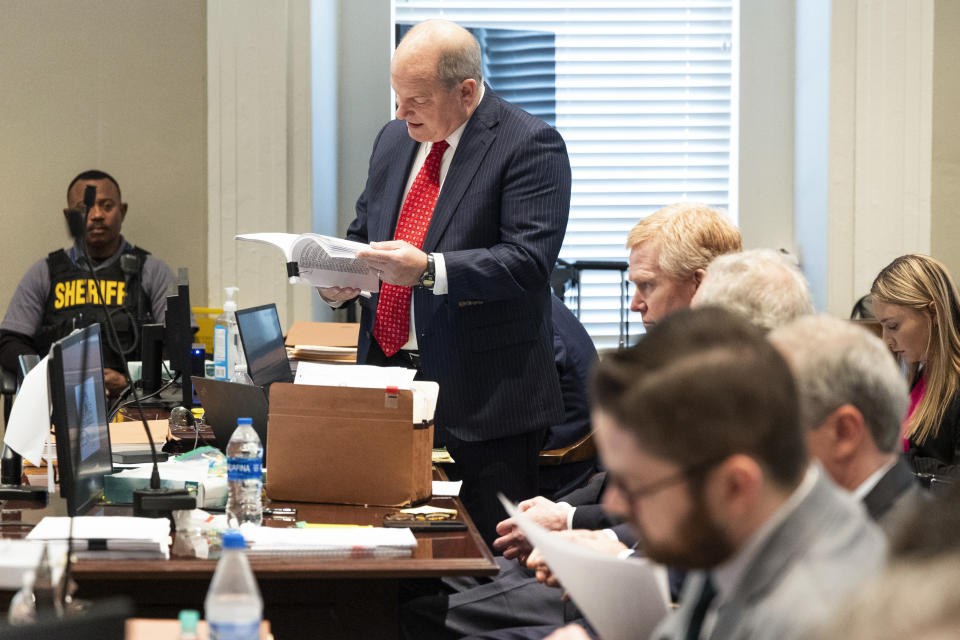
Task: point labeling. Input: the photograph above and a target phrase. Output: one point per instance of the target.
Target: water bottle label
(220, 352)
(234, 630)
(243, 469)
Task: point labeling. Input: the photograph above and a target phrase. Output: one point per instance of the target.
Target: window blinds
(644, 96)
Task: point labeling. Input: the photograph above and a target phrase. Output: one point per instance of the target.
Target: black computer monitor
(263, 346)
(80, 418)
(178, 337)
(177, 334)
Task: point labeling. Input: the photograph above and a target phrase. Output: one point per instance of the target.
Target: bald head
(442, 51)
(436, 74)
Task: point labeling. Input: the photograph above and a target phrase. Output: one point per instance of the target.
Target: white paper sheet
(622, 599)
(29, 426)
(352, 541)
(19, 556)
(447, 488)
(362, 375)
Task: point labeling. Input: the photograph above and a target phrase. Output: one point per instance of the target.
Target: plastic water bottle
(244, 457)
(227, 351)
(233, 606)
(23, 606)
(240, 374)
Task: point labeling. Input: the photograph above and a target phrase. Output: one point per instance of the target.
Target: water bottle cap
(241, 421)
(189, 619)
(233, 540)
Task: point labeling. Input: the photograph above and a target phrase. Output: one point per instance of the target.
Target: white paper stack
(19, 556)
(352, 542)
(109, 537)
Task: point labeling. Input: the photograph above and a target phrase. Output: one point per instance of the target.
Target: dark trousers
(487, 467)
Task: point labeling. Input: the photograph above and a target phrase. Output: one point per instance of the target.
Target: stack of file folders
(348, 542)
(113, 537)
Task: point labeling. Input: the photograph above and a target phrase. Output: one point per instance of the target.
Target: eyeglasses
(657, 486)
(421, 517)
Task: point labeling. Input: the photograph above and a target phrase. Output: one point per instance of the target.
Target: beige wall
(117, 85)
(945, 172)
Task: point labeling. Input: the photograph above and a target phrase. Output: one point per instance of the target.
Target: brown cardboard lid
(327, 334)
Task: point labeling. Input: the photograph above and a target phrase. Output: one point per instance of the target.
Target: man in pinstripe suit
(479, 304)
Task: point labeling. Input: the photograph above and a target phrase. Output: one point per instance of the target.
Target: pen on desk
(314, 525)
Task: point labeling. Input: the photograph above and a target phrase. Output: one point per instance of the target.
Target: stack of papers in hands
(111, 537)
(349, 542)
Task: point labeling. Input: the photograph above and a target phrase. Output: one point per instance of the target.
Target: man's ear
(468, 89)
(736, 482)
(849, 430)
(123, 211)
(698, 276)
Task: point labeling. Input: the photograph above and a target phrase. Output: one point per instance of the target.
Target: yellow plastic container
(206, 317)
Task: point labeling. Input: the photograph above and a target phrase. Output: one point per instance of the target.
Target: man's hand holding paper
(595, 540)
(396, 261)
(548, 514)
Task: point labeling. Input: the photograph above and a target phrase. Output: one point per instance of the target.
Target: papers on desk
(19, 556)
(320, 353)
(29, 425)
(362, 376)
(447, 488)
(113, 537)
(353, 542)
(622, 599)
(441, 456)
(370, 377)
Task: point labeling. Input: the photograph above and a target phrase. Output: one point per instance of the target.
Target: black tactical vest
(74, 302)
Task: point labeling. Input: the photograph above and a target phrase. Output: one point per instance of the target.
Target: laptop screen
(263, 346)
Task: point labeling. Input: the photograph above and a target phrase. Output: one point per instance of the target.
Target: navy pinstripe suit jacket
(499, 222)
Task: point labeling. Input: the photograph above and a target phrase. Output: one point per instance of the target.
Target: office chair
(581, 450)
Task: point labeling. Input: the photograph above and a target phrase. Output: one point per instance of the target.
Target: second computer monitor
(80, 418)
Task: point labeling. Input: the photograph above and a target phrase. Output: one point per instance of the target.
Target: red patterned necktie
(392, 325)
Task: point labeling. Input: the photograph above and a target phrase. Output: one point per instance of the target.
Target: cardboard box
(327, 334)
(346, 445)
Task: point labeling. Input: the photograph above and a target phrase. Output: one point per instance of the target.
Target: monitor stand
(11, 469)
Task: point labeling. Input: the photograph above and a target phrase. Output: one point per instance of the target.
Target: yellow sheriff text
(75, 293)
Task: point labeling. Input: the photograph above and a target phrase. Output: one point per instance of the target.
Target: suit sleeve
(590, 493)
(534, 204)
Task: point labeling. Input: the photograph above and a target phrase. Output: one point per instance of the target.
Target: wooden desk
(332, 598)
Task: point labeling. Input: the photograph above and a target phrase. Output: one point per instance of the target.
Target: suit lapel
(477, 138)
(393, 190)
(894, 482)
